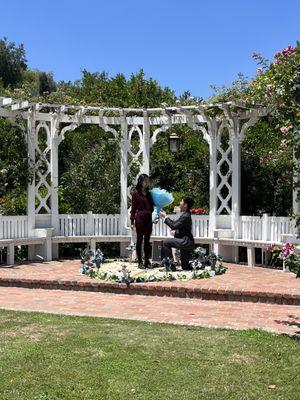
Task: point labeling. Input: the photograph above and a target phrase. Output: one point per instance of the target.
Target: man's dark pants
(184, 244)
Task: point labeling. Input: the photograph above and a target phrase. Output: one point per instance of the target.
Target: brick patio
(239, 283)
(281, 319)
(249, 293)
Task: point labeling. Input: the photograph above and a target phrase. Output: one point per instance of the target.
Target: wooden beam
(20, 105)
(4, 101)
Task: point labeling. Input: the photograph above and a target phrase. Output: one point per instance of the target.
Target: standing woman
(141, 218)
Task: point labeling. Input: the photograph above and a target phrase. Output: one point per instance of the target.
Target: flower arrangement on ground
(91, 260)
(132, 251)
(169, 264)
(130, 273)
(211, 260)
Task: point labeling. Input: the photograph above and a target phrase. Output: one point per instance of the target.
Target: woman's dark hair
(141, 178)
(189, 201)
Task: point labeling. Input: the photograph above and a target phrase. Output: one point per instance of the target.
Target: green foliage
(267, 167)
(293, 262)
(14, 168)
(90, 172)
(234, 92)
(46, 83)
(100, 89)
(12, 63)
(184, 173)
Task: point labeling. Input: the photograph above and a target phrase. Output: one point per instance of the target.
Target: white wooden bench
(251, 245)
(11, 243)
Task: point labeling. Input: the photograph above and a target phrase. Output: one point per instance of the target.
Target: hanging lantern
(174, 143)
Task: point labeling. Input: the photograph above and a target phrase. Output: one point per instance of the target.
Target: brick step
(169, 289)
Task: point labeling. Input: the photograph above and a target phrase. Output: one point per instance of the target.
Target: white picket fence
(200, 226)
(104, 224)
(266, 228)
(250, 228)
(13, 227)
(276, 226)
(73, 224)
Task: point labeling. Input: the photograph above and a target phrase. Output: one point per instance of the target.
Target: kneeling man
(183, 238)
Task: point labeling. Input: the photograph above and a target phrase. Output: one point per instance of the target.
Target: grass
(52, 357)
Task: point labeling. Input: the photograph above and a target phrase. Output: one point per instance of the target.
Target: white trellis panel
(225, 159)
(41, 177)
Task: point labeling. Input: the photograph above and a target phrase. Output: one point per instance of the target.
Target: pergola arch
(125, 124)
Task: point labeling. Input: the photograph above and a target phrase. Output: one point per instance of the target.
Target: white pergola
(128, 125)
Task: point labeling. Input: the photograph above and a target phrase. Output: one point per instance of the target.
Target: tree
(89, 172)
(14, 169)
(186, 172)
(47, 84)
(12, 63)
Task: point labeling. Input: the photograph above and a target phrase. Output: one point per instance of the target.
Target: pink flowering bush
(285, 129)
(285, 254)
(287, 250)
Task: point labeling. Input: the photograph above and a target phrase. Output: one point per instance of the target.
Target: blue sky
(186, 45)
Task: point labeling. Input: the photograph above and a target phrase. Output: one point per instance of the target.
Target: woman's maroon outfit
(141, 217)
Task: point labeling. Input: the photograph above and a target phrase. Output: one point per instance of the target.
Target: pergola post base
(55, 251)
(11, 254)
(123, 251)
(251, 256)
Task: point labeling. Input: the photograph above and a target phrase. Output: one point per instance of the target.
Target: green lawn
(50, 357)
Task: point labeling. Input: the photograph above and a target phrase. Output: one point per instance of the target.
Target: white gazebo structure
(43, 228)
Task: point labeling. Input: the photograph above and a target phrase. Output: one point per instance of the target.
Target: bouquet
(161, 198)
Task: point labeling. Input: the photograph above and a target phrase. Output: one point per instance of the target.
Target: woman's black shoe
(147, 264)
(141, 266)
